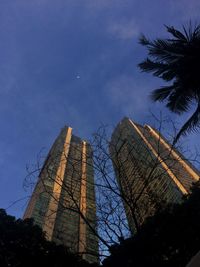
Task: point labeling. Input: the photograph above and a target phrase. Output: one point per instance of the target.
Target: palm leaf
(177, 34)
(162, 93)
(179, 101)
(169, 75)
(144, 41)
(150, 66)
(176, 60)
(191, 124)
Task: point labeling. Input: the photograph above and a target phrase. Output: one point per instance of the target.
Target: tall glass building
(63, 201)
(149, 170)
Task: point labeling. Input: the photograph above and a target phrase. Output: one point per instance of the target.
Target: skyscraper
(63, 201)
(149, 170)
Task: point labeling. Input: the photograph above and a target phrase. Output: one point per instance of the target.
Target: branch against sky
(113, 195)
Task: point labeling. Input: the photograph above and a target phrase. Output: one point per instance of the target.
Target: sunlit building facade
(63, 202)
(149, 170)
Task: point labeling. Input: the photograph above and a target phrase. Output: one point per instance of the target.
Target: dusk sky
(74, 62)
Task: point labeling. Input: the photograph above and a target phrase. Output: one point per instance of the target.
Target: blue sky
(74, 62)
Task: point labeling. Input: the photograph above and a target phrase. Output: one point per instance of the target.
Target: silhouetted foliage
(23, 244)
(177, 60)
(112, 194)
(168, 239)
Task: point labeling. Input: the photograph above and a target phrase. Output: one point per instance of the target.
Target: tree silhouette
(177, 60)
(168, 239)
(111, 194)
(23, 243)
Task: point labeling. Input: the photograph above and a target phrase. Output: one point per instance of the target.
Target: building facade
(148, 170)
(63, 201)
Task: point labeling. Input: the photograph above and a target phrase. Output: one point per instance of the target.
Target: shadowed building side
(63, 201)
(149, 171)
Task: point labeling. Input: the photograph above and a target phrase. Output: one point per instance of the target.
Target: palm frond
(179, 101)
(161, 94)
(187, 33)
(159, 69)
(169, 75)
(165, 51)
(150, 66)
(176, 59)
(144, 41)
(191, 124)
(197, 31)
(192, 33)
(176, 33)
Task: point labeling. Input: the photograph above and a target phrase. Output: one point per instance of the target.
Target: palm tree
(177, 60)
